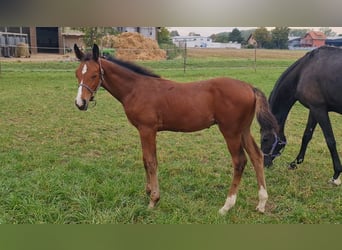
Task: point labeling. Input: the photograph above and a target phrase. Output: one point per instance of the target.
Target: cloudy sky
(207, 31)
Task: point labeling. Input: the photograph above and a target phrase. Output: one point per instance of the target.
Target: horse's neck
(282, 98)
(117, 81)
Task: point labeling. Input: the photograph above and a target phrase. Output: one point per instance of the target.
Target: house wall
(149, 32)
(312, 41)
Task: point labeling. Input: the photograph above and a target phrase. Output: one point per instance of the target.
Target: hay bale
(22, 50)
(134, 46)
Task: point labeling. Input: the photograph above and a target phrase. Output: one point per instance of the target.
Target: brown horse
(154, 104)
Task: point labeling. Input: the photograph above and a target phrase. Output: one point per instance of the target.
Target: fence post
(255, 58)
(185, 57)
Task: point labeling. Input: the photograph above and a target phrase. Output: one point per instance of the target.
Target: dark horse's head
(272, 146)
(89, 75)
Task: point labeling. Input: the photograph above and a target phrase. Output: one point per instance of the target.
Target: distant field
(245, 53)
(60, 165)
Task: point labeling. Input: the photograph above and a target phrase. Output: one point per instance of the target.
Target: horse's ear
(79, 54)
(96, 52)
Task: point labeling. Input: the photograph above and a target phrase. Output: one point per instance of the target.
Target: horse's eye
(264, 139)
(94, 76)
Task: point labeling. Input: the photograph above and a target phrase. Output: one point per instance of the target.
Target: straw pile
(22, 50)
(134, 46)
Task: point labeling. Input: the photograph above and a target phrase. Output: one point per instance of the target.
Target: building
(192, 41)
(334, 41)
(202, 42)
(149, 32)
(39, 39)
(294, 42)
(70, 37)
(9, 41)
(53, 39)
(251, 41)
(313, 39)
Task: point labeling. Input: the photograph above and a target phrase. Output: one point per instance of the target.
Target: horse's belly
(187, 122)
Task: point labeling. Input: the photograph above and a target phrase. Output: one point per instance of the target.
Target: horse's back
(234, 103)
(320, 81)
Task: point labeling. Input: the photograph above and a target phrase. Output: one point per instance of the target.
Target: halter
(276, 142)
(93, 92)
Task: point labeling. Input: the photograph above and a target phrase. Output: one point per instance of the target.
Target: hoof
(152, 205)
(260, 209)
(335, 182)
(223, 211)
(292, 166)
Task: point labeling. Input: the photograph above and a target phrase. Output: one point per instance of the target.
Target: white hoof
(230, 202)
(263, 196)
(336, 182)
(223, 211)
(260, 209)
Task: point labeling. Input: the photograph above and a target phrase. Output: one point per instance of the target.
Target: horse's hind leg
(323, 120)
(256, 158)
(239, 161)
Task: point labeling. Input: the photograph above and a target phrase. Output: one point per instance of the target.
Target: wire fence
(176, 59)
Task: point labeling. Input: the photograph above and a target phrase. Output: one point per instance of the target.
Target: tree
(263, 37)
(327, 31)
(298, 32)
(94, 34)
(280, 37)
(174, 33)
(245, 34)
(164, 36)
(193, 34)
(222, 37)
(235, 36)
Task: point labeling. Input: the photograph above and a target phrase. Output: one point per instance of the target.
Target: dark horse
(154, 104)
(315, 80)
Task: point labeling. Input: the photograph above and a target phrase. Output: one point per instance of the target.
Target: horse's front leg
(148, 143)
(307, 136)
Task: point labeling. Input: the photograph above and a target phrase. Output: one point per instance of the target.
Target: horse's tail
(264, 115)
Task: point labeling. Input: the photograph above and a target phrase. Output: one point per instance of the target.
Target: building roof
(316, 35)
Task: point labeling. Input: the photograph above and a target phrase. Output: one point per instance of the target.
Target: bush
(172, 51)
(108, 52)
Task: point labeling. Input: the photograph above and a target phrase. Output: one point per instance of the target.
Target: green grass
(60, 165)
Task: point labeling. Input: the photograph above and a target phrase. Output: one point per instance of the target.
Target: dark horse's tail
(264, 116)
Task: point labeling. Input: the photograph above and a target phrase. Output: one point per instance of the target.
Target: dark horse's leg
(322, 117)
(307, 136)
(148, 143)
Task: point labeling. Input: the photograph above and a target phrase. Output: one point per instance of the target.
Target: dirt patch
(133, 46)
(41, 57)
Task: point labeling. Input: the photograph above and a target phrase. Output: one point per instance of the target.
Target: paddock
(60, 165)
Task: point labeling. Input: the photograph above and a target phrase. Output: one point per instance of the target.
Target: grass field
(60, 165)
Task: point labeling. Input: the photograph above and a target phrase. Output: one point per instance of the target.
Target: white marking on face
(84, 69)
(230, 202)
(79, 96)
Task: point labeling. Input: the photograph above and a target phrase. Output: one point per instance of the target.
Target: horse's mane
(132, 66)
(299, 62)
(128, 65)
(309, 55)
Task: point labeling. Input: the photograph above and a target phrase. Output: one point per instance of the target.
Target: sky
(208, 31)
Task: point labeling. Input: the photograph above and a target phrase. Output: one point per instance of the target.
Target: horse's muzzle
(82, 107)
(268, 161)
